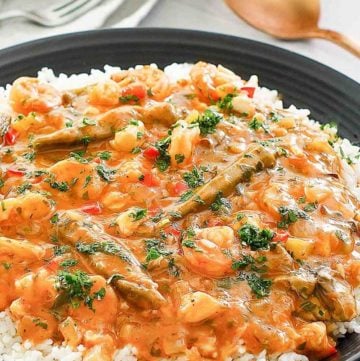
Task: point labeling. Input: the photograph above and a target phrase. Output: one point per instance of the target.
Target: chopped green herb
(87, 121)
(195, 177)
(221, 204)
(69, 263)
(136, 150)
(225, 103)
(129, 98)
(60, 186)
(189, 243)
(244, 262)
(75, 286)
(6, 265)
(110, 248)
(87, 181)
(60, 250)
(29, 156)
(310, 207)
(69, 123)
(86, 140)
(290, 216)
(79, 156)
(175, 214)
(138, 213)
(155, 249)
(54, 219)
(208, 122)
(24, 187)
(302, 200)
(259, 286)
(179, 158)
(2, 182)
(273, 117)
(105, 173)
(255, 124)
(163, 160)
(254, 237)
(105, 155)
(186, 196)
(331, 125)
(40, 323)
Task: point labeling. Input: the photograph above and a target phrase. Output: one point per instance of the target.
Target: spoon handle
(337, 38)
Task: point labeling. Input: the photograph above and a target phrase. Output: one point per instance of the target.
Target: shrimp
(30, 206)
(106, 93)
(198, 306)
(80, 179)
(155, 80)
(213, 82)
(129, 137)
(183, 140)
(30, 95)
(206, 253)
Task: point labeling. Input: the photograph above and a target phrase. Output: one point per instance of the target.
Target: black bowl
(303, 82)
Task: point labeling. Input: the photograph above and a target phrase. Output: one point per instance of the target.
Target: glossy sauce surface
(88, 176)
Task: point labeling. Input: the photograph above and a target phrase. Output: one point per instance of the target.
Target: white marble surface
(208, 15)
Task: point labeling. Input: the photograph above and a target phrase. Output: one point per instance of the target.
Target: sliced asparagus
(255, 159)
(109, 257)
(83, 131)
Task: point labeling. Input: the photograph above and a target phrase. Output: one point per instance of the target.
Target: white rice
(12, 348)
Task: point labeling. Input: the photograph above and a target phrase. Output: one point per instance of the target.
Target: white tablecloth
(209, 15)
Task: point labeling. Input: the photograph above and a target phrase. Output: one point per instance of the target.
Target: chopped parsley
(220, 204)
(29, 156)
(138, 213)
(60, 186)
(195, 177)
(87, 181)
(105, 155)
(254, 237)
(75, 287)
(186, 196)
(259, 286)
(155, 249)
(128, 98)
(244, 262)
(136, 150)
(189, 243)
(69, 263)
(225, 103)
(163, 159)
(110, 248)
(256, 124)
(290, 216)
(60, 250)
(273, 117)
(40, 323)
(24, 187)
(7, 265)
(79, 156)
(54, 219)
(179, 158)
(310, 207)
(86, 140)
(105, 173)
(208, 122)
(87, 121)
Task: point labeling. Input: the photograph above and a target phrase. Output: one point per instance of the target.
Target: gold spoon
(289, 19)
